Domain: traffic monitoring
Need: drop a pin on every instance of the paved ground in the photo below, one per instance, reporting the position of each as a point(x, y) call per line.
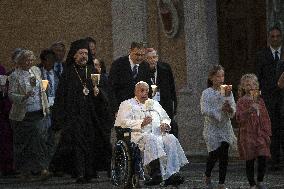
point(236, 179)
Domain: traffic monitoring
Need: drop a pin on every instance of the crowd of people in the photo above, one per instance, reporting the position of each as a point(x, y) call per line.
point(56, 117)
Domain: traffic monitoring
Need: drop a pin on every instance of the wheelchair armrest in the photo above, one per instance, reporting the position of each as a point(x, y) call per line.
point(123, 133)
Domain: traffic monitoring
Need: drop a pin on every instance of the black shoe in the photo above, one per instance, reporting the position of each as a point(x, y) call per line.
point(58, 174)
point(153, 181)
point(95, 175)
point(82, 180)
point(108, 173)
point(175, 179)
point(274, 168)
point(10, 174)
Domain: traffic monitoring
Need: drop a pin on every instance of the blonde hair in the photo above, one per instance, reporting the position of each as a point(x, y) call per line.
point(241, 87)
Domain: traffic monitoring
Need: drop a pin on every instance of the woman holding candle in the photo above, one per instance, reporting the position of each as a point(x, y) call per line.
point(255, 130)
point(218, 133)
point(29, 106)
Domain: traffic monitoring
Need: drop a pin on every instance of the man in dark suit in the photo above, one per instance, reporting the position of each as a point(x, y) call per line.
point(126, 71)
point(162, 77)
point(267, 60)
point(59, 49)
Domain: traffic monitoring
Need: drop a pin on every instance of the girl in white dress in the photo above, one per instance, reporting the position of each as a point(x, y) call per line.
point(217, 108)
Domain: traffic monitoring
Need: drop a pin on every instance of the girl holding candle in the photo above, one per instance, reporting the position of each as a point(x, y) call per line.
point(254, 130)
point(218, 133)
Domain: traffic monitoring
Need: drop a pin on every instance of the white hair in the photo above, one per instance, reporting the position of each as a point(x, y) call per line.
point(141, 83)
point(24, 53)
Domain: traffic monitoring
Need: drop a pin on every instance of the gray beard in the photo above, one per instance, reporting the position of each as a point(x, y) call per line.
point(82, 63)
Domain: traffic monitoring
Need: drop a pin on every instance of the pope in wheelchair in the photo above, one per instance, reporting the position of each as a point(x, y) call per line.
point(150, 125)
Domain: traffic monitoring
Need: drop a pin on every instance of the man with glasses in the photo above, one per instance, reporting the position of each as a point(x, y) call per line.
point(126, 71)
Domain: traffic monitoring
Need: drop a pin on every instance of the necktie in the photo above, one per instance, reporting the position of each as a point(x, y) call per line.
point(50, 87)
point(134, 71)
point(153, 79)
point(276, 57)
point(58, 69)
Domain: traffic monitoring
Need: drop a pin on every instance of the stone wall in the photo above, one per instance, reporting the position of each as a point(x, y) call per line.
point(171, 50)
point(36, 24)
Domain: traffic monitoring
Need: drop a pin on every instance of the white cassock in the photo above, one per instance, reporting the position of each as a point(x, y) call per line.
point(150, 140)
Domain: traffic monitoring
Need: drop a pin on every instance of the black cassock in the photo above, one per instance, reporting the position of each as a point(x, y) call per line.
point(85, 124)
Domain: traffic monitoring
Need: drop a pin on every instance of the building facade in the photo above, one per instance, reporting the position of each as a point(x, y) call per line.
point(191, 35)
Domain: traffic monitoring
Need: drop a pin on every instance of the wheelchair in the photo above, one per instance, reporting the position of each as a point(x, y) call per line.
point(126, 162)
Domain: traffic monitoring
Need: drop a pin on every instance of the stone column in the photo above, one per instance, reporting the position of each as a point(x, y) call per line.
point(275, 13)
point(129, 23)
point(201, 44)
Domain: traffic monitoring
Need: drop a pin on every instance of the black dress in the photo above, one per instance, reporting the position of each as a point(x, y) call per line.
point(81, 118)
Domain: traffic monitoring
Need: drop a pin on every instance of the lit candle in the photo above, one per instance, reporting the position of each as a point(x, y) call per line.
point(153, 87)
point(44, 84)
point(96, 79)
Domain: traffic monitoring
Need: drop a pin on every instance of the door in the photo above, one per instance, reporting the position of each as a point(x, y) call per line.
point(241, 31)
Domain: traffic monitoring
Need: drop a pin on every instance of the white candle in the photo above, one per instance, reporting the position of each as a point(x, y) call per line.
point(44, 84)
point(96, 78)
point(153, 87)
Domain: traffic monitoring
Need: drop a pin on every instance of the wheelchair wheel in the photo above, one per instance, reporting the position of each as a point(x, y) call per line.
point(135, 181)
point(121, 169)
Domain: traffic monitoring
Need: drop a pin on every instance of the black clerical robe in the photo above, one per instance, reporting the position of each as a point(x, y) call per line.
point(82, 120)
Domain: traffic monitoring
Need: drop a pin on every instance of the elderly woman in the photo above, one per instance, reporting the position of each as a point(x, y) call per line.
point(29, 106)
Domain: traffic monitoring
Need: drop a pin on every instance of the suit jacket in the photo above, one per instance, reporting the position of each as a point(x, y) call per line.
point(268, 79)
point(166, 85)
point(280, 70)
point(17, 90)
point(122, 82)
point(266, 70)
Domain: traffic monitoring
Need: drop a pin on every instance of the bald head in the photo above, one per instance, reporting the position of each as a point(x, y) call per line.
point(141, 91)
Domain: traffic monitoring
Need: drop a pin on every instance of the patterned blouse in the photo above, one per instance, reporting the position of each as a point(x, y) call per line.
point(217, 124)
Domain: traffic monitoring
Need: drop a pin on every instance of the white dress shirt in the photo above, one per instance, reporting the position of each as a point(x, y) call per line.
point(278, 50)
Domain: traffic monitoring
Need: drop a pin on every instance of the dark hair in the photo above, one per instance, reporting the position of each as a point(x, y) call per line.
point(103, 66)
point(275, 28)
point(213, 72)
point(89, 40)
point(46, 53)
point(138, 45)
point(58, 43)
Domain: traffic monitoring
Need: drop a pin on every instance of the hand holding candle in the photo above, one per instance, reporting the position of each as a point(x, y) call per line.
point(154, 89)
point(226, 90)
point(96, 79)
point(255, 93)
point(44, 84)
